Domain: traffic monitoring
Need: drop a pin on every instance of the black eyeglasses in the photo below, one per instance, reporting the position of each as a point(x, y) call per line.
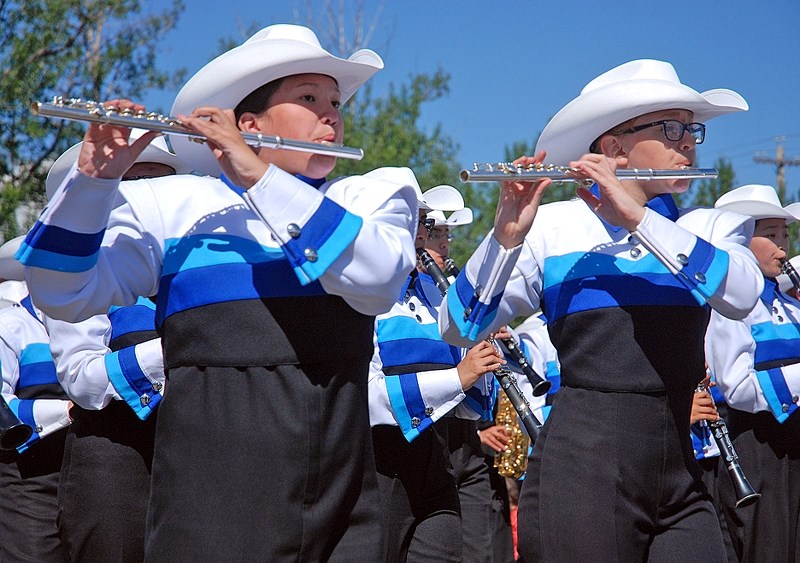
point(674, 129)
point(438, 235)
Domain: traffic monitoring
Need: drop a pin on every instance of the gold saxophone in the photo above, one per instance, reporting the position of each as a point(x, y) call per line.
point(513, 460)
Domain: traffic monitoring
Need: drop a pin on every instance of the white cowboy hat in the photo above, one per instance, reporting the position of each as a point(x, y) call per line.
point(757, 201)
point(12, 292)
point(456, 218)
point(10, 268)
point(622, 93)
point(156, 151)
point(274, 52)
point(784, 283)
point(443, 198)
point(404, 175)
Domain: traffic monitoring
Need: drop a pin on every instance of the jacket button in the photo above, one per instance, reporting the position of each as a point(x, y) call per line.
point(293, 230)
point(310, 254)
point(683, 259)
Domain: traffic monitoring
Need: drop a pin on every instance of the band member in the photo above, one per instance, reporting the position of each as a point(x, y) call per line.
point(625, 280)
point(418, 384)
point(112, 367)
point(473, 478)
point(268, 280)
point(756, 363)
point(29, 474)
point(438, 245)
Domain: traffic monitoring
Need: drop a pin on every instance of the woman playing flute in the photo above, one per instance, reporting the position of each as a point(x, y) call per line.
point(268, 279)
point(626, 281)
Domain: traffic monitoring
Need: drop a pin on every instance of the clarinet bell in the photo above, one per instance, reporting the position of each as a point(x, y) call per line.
point(745, 494)
point(13, 432)
point(541, 388)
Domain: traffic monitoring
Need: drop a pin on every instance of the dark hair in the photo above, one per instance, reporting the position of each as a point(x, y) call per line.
point(616, 130)
point(257, 100)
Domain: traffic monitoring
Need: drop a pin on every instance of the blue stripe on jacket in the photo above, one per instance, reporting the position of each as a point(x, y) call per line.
point(130, 382)
point(139, 317)
point(36, 366)
point(55, 248)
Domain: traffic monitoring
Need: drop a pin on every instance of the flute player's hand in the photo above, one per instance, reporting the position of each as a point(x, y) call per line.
point(517, 205)
point(240, 162)
point(106, 152)
point(615, 205)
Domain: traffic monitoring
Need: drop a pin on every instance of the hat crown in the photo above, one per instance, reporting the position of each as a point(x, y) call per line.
point(286, 32)
point(159, 143)
point(750, 193)
point(642, 69)
point(755, 200)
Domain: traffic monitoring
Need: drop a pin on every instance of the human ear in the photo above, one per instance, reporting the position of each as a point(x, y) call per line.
point(248, 122)
point(611, 146)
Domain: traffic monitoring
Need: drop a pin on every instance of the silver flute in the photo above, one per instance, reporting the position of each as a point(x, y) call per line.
point(507, 171)
point(75, 109)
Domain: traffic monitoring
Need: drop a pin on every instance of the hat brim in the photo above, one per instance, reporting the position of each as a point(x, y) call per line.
point(460, 217)
point(152, 153)
point(12, 292)
point(10, 267)
point(759, 210)
point(794, 210)
point(569, 134)
point(443, 198)
point(228, 79)
point(456, 218)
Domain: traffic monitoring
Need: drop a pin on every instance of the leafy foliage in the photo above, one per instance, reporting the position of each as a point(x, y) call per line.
point(93, 49)
point(387, 129)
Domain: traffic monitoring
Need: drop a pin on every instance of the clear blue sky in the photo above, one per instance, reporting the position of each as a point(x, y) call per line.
point(514, 64)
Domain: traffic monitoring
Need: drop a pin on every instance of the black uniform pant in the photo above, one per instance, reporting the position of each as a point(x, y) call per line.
point(419, 501)
point(769, 455)
point(265, 464)
point(613, 478)
point(500, 521)
point(474, 487)
point(105, 484)
point(28, 505)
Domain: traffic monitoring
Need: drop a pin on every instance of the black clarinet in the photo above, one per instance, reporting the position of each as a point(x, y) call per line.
point(745, 494)
point(13, 432)
point(540, 385)
point(792, 274)
point(434, 271)
point(450, 267)
point(503, 375)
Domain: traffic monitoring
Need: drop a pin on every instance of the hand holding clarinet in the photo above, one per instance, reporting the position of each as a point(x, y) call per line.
point(503, 375)
point(745, 494)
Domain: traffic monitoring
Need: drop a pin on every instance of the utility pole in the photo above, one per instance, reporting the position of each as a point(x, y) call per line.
point(780, 163)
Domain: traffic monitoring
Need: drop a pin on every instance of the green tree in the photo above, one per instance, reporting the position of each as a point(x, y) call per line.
point(482, 198)
point(92, 49)
point(388, 130)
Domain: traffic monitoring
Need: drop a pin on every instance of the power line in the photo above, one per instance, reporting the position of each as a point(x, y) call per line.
point(780, 162)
